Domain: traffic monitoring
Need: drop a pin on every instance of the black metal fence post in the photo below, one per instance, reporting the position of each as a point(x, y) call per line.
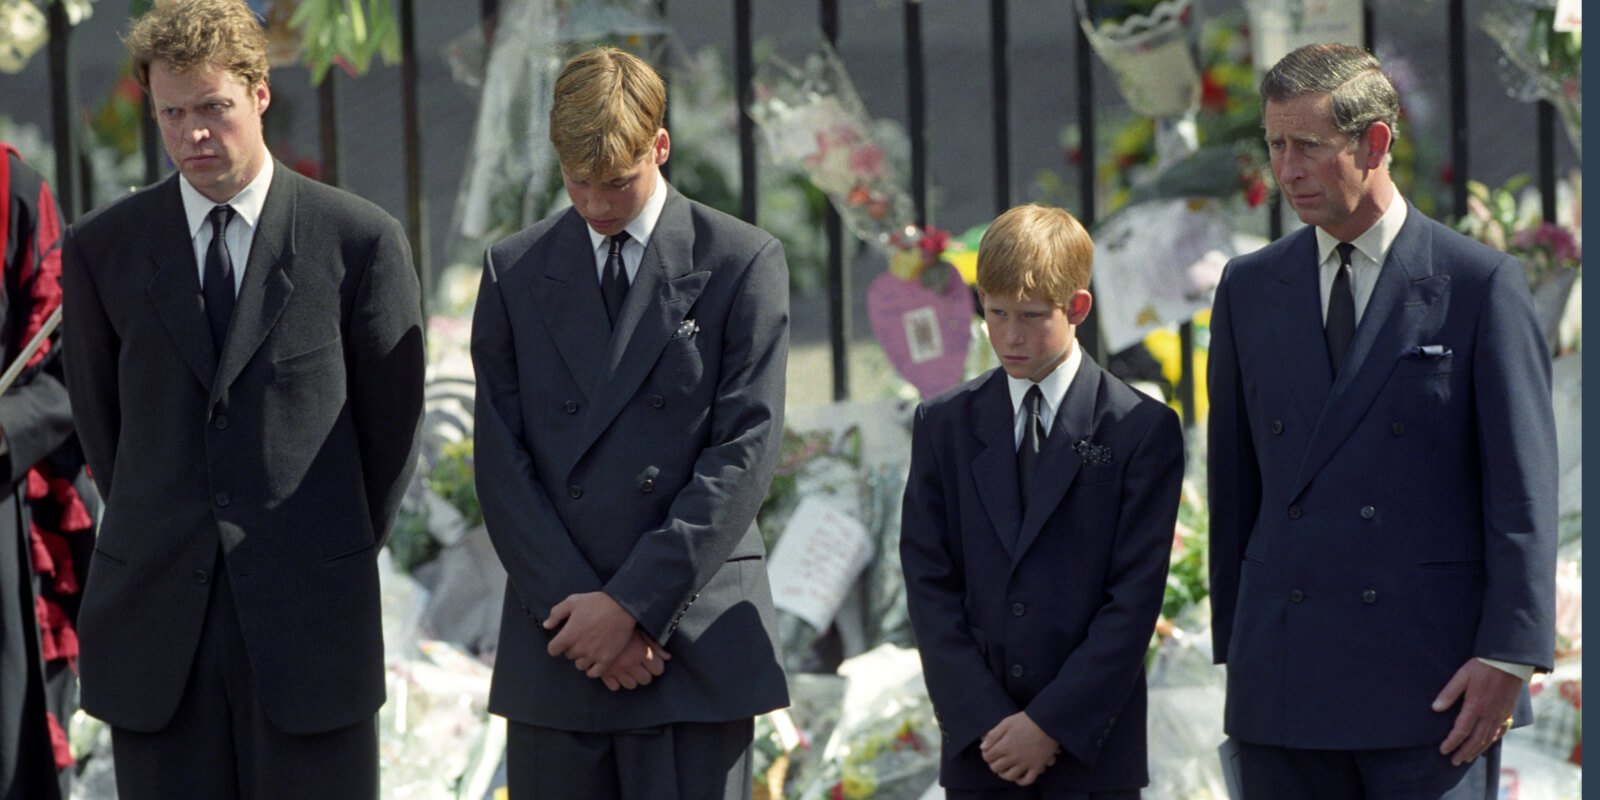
point(1001, 91)
point(411, 124)
point(68, 186)
point(839, 282)
point(916, 101)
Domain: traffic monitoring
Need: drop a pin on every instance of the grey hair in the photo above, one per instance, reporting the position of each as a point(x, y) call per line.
point(1361, 94)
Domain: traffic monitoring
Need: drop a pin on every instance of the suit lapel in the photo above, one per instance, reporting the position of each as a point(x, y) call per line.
point(1401, 299)
point(1296, 320)
point(994, 471)
point(174, 290)
point(1058, 462)
point(660, 297)
point(567, 293)
point(266, 287)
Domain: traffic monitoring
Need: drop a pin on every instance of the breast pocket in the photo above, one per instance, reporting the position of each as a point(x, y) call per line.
point(683, 366)
point(1421, 387)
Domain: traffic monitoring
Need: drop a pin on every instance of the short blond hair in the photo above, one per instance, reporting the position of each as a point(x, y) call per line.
point(195, 33)
point(1036, 250)
point(607, 109)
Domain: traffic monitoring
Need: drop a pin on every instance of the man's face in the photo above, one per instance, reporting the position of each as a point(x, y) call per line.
point(211, 124)
point(608, 203)
point(1324, 175)
point(1032, 336)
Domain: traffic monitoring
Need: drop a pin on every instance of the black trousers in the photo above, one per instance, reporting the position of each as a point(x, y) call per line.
point(220, 743)
point(1407, 773)
point(681, 761)
point(1036, 793)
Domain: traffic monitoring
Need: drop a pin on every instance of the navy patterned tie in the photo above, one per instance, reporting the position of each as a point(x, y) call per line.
point(1032, 439)
point(218, 289)
point(1341, 324)
point(614, 281)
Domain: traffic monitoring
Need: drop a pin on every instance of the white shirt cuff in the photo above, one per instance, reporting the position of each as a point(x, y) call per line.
point(1523, 671)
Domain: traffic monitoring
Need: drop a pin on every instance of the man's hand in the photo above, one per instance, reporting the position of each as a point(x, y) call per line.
point(1488, 697)
point(1018, 750)
point(594, 630)
point(641, 661)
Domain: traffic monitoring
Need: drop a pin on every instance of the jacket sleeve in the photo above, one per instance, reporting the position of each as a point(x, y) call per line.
point(730, 478)
point(542, 563)
point(1233, 475)
point(386, 363)
point(967, 698)
point(91, 350)
point(35, 414)
point(1078, 708)
point(1517, 441)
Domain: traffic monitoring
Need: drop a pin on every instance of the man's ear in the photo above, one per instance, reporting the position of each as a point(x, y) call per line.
point(662, 146)
point(1379, 138)
point(1078, 306)
point(263, 97)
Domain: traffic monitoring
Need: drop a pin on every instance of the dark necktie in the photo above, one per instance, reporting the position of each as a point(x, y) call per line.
point(1032, 439)
point(1341, 324)
point(614, 281)
point(218, 289)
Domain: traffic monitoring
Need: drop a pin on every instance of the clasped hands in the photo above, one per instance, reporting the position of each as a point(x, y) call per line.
point(604, 641)
point(1018, 750)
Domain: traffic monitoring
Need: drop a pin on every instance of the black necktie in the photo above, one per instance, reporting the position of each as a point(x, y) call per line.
point(614, 281)
point(1341, 324)
point(218, 289)
point(1032, 439)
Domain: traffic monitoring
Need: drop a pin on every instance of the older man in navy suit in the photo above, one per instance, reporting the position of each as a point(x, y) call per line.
point(1382, 467)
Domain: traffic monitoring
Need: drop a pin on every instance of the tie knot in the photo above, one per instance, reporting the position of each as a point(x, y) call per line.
point(1031, 400)
point(220, 217)
point(1345, 249)
point(618, 240)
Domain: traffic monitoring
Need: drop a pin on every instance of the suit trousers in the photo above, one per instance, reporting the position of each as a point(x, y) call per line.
point(1036, 793)
point(1406, 773)
point(220, 744)
point(680, 761)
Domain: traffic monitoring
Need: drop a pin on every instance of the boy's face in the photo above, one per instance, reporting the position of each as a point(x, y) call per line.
point(1032, 336)
point(608, 203)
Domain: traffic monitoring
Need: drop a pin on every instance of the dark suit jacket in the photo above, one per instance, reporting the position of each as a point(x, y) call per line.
point(1370, 534)
point(1057, 624)
point(290, 449)
point(634, 461)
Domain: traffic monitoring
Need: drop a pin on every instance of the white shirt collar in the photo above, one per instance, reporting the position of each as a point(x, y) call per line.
point(642, 226)
point(1053, 387)
point(1376, 241)
point(247, 204)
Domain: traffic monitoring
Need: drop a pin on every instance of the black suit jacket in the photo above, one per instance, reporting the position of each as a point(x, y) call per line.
point(1057, 623)
point(634, 461)
point(289, 449)
point(1371, 533)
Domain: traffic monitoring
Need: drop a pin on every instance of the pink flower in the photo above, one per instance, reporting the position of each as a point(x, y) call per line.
point(867, 160)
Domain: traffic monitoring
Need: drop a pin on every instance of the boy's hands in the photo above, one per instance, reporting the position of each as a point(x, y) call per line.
point(594, 631)
point(641, 661)
point(1019, 750)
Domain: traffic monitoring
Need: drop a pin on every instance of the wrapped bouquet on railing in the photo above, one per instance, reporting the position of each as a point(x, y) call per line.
point(812, 119)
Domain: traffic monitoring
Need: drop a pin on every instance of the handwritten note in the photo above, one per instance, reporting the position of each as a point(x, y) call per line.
point(814, 563)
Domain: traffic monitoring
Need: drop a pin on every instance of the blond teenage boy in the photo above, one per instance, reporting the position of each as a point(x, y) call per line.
point(1035, 536)
point(630, 356)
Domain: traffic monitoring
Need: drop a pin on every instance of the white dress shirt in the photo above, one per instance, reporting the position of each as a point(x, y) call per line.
point(1053, 388)
point(241, 230)
point(639, 232)
point(1371, 249)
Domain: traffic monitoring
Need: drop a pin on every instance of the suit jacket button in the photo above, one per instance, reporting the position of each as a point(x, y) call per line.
point(657, 401)
point(221, 422)
point(1399, 428)
point(1368, 512)
point(648, 486)
point(1296, 596)
point(1018, 609)
point(1016, 670)
point(571, 406)
point(200, 576)
point(1277, 427)
point(575, 492)
point(1294, 512)
point(223, 499)
point(1369, 596)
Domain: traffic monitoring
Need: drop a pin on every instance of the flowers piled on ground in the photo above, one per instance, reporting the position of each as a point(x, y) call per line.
point(1497, 218)
point(890, 757)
